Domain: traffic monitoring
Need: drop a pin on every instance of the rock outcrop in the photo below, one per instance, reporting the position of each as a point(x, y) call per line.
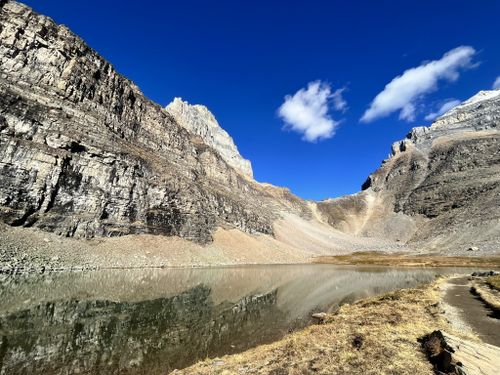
point(198, 120)
point(84, 153)
point(440, 189)
point(450, 354)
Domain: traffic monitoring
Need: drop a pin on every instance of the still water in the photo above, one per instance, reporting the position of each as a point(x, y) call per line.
point(153, 321)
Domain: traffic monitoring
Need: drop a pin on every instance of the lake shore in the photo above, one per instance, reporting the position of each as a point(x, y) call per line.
point(409, 260)
point(174, 317)
point(29, 250)
point(373, 336)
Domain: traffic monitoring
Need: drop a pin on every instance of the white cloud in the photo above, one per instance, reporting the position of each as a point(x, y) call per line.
point(339, 103)
point(496, 84)
point(452, 103)
point(307, 111)
point(405, 91)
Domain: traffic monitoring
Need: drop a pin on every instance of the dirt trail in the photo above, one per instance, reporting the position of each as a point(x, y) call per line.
point(472, 311)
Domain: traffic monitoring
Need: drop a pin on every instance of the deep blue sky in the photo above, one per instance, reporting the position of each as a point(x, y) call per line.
point(241, 58)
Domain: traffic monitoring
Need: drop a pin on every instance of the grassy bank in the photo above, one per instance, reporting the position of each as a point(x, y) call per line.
point(405, 260)
point(489, 292)
point(374, 336)
point(494, 282)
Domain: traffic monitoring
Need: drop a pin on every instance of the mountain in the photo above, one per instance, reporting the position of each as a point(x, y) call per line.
point(84, 154)
point(198, 120)
point(440, 189)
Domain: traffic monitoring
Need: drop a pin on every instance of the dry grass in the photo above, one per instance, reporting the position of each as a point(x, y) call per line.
point(405, 260)
point(494, 282)
point(489, 296)
point(374, 336)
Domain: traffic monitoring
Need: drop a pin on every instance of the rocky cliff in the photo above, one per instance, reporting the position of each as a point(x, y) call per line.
point(440, 188)
point(83, 153)
point(198, 120)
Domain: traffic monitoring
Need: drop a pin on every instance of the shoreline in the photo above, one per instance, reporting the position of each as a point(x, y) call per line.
point(410, 260)
point(480, 263)
point(24, 250)
point(405, 261)
point(375, 335)
point(358, 331)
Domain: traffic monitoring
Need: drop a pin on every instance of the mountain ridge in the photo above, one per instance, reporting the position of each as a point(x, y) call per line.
point(85, 154)
point(200, 121)
point(430, 190)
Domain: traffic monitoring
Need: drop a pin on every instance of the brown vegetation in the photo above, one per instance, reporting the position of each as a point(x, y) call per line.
point(489, 296)
point(374, 336)
point(405, 260)
point(494, 282)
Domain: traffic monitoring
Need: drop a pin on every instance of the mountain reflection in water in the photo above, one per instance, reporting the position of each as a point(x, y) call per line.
point(155, 320)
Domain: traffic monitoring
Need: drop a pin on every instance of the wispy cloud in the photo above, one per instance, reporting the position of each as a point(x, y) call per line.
point(404, 92)
point(339, 103)
point(496, 84)
point(445, 107)
point(307, 111)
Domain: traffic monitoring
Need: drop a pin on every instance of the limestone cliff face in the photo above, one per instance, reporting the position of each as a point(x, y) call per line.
point(198, 120)
point(84, 153)
point(441, 186)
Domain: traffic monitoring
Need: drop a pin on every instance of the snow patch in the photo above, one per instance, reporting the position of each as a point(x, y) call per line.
point(481, 96)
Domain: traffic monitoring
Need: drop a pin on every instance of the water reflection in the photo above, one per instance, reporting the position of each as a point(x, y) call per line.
point(152, 321)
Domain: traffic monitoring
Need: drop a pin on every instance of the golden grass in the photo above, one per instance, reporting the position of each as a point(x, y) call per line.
point(405, 260)
point(488, 296)
point(374, 336)
point(494, 282)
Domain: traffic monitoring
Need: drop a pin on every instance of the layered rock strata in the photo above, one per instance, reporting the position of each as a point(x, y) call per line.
point(84, 153)
point(198, 120)
point(440, 187)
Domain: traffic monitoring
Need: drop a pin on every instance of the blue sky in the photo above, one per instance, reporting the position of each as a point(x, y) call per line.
point(242, 58)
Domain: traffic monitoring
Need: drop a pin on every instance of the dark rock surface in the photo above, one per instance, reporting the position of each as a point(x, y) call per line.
point(440, 354)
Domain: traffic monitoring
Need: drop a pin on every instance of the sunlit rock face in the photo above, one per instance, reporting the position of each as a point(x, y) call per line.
point(442, 184)
point(198, 120)
point(84, 153)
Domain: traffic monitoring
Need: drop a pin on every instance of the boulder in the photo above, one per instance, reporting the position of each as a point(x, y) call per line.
point(320, 316)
